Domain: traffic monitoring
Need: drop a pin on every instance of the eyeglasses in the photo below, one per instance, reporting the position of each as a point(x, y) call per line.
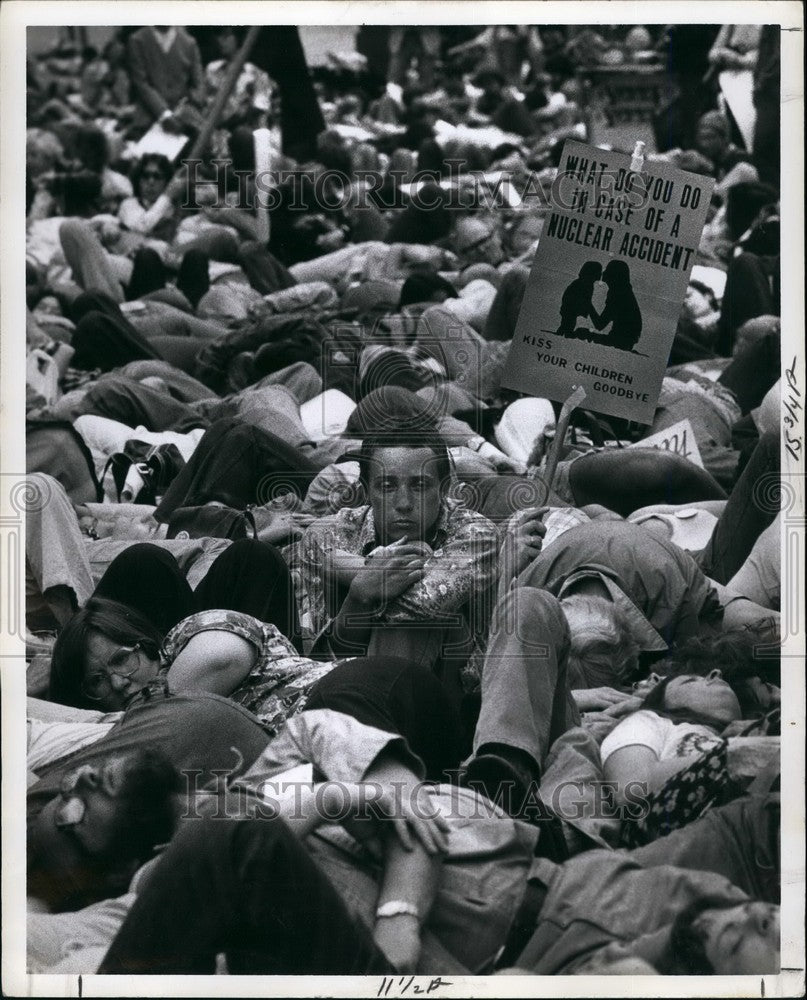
point(477, 245)
point(99, 684)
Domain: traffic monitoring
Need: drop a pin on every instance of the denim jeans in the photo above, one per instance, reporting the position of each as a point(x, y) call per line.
point(525, 694)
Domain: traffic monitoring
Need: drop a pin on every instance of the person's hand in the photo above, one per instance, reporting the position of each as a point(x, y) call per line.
point(629, 704)
point(523, 541)
point(407, 808)
point(399, 939)
point(420, 548)
point(598, 725)
point(280, 526)
point(333, 240)
point(414, 815)
point(507, 465)
point(598, 699)
point(108, 231)
point(387, 573)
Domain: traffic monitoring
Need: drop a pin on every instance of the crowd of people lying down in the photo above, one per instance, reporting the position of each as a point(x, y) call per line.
point(331, 668)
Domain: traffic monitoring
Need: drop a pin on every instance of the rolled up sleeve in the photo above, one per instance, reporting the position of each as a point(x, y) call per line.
point(339, 746)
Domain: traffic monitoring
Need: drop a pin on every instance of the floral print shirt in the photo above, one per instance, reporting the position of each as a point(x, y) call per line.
point(280, 680)
point(463, 563)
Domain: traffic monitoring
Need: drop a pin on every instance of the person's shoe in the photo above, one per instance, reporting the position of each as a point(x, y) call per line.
point(499, 780)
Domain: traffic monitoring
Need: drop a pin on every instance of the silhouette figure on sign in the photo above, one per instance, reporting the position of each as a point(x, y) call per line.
point(621, 310)
point(576, 301)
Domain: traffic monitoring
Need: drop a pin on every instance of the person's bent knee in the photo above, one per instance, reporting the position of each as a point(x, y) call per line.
point(533, 614)
point(147, 550)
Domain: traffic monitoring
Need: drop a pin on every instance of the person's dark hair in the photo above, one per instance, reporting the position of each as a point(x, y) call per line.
point(686, 951)
point(162, 163)
point(535, 98)
point(744, 202)
point(431, 157)
point(504, 149)
point(420, 438)
point(654, 702)
point(426, 219)
point(79, 193)
point(734, 653)
point(422, 284)
point(117, 622)
point(333, 154)
point(385, 409)
point(91, 148)
point(146, 818)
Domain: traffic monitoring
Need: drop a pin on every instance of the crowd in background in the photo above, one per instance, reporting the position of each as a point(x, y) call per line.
point(286, 516)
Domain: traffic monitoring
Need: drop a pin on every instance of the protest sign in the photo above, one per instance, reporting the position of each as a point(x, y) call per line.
point(679, 438)
point(159, 142)
point(608, 282)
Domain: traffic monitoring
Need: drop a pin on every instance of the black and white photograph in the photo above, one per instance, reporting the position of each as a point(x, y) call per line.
point(402, 499)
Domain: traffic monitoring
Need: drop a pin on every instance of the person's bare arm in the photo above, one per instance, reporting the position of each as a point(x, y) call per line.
point(410, 877)
point(639, 765)
point(213, 661)
point(236, 218)
point(739, 611)
point(715, 507)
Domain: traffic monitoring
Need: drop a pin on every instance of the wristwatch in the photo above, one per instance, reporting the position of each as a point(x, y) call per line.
point(397, 908)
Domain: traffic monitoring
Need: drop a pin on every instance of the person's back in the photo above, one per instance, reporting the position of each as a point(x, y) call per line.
point(602, 897)
point(661, 580)
point(202, 735)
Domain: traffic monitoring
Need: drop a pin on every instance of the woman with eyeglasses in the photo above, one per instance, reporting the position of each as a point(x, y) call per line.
point(109, 654)
point(152, 211)
point(237, 634)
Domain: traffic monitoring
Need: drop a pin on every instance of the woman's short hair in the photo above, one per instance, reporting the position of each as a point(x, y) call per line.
point(115, 621)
